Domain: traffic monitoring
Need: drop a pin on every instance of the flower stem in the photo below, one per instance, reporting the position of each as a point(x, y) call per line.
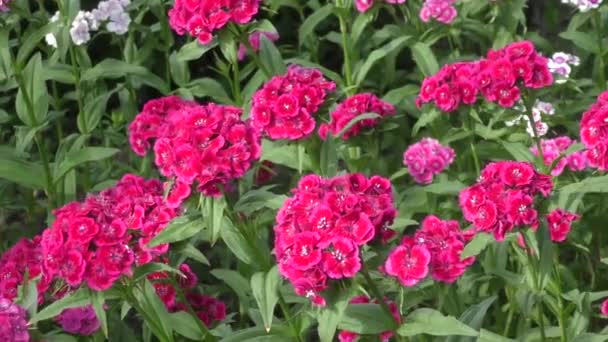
point(350, 87)
point(529, 103)
point(250, 50)
point(597, 25)
point(376, 292)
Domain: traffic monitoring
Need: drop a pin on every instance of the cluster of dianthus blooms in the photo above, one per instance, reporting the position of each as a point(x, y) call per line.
point(441, 10)
point(349, 336)
point(13, 322)
point(437, 247)
point(364, 5)
point(200, 18)
point(498, 77)
point(594, 133)
point(111, 12)
point(81, 321)
point(284, 107)
point(319, 230)
point(350, 109)
point(584, 5)
point(427, 158)
point(554, 148)
point(539, 109)
point(560, 222)
point(208, 309)
point(21, 261)
point(209, 144)
point(561, 64)
point(503, 197)
point(255, 41)
point(4, 5)
point(100, 239)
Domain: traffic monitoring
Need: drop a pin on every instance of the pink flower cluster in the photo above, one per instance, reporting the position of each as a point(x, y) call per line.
point(13, 322)
point(498, 77)
point(554, 148)
point(4, 5)
point(24, 257)
point(254, 40)
point(200, 18)
point(594, 133)
point(208, 309)
point(349, 336)
point(364, 5)
point(209, 144)
point(436, 247)
point(81, 321)
point(284, 106)
point(350, 109)
point(503, 198)
point(320, 229)
point(100, 239)
point(441, 10)
point(427, 158)
point(560, 222)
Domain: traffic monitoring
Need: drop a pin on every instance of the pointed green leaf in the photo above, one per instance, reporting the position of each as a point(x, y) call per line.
point(264, 287)
point(432, 322)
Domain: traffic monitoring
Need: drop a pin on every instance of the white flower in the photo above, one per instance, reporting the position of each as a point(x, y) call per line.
point(119, 24)
point(80, 30)
point(50, 38)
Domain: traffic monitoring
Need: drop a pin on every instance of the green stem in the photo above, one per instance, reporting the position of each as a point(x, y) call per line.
point(529, 103)
point(243, 39)
point(561, 318)
point(597, 23)
point(350, 87)
point(288, 316)
point(541, 320)
point(182, 297)
point(376, 291)
point(236, 84)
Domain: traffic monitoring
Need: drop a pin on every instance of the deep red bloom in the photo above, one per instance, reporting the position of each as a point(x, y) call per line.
point(408, 262)
point(340, 258)
point(559, 222)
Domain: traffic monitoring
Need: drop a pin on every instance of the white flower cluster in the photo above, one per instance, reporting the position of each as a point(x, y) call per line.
point(560, 65)
point(50, 38)
point(111, 12)
point(583, 5)
point(538, 110)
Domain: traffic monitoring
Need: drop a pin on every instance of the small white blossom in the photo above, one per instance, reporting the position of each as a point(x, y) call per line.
point(584, 5)
point(560, 65)
point(50, 38)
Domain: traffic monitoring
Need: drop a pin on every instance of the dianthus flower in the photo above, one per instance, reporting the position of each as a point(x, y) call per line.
point(554, 148)
point(208, 144)
point(441, 10)
point(539, 109)
point(284, 107)
point(320, 229)
point(13, 322)
point(208, 309)
point(560, 222)
point(584, 5)
point(594, 133)
point(499, 78)
point(255, 41)
point(201, 18)
point(503, 198)
point(350, 109)
point(100, 239)
point(604, 308)
point(24, 257)
point(560, 65)
point(408, 262)
point(112, 13)
point(349, 336)
point(4, 5)
point(364, 5)
point(80, 321)
point(427, 158)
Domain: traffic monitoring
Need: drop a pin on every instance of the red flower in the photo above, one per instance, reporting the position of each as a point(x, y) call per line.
point(340, 258)
point(409, 263)
point(560, 222)
point(305, 252)
point(82, 230)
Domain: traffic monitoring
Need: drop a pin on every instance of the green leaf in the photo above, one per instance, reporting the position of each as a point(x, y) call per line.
point(93, 111)
point(236, 242)
point(488, 336)
point(432, 322)
point(34, 92)
point(329, 157)
point(22, 172)
point(153, 309)
point(355, 120)
point(588, 337)
point(395, 96)
point(179, 70)
point(377, 55)
point(71, 300)
point(60, 338)
point(142, 271)
point(236, 282)
point(270, 55)
point(329, 318)
point(27, 45)
point(264, 287)
point(213, 211)
point(445, 187)
point(189, 251)
point(259, 334)
point(425, 59)
point(257, 199)
point(588, 185)
point(194, 50)
point(87, 154)
point(283, 154)
point(426, 118)
point(583, 40)
point(97, 299)
point(179, 229)
point(308, 26)
point(368, 319)
point(28, 296)
point(185, 324)
point(477, 245)
point(474, 317)
point(208, 87)
point(518, 150)
point(111, 68)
